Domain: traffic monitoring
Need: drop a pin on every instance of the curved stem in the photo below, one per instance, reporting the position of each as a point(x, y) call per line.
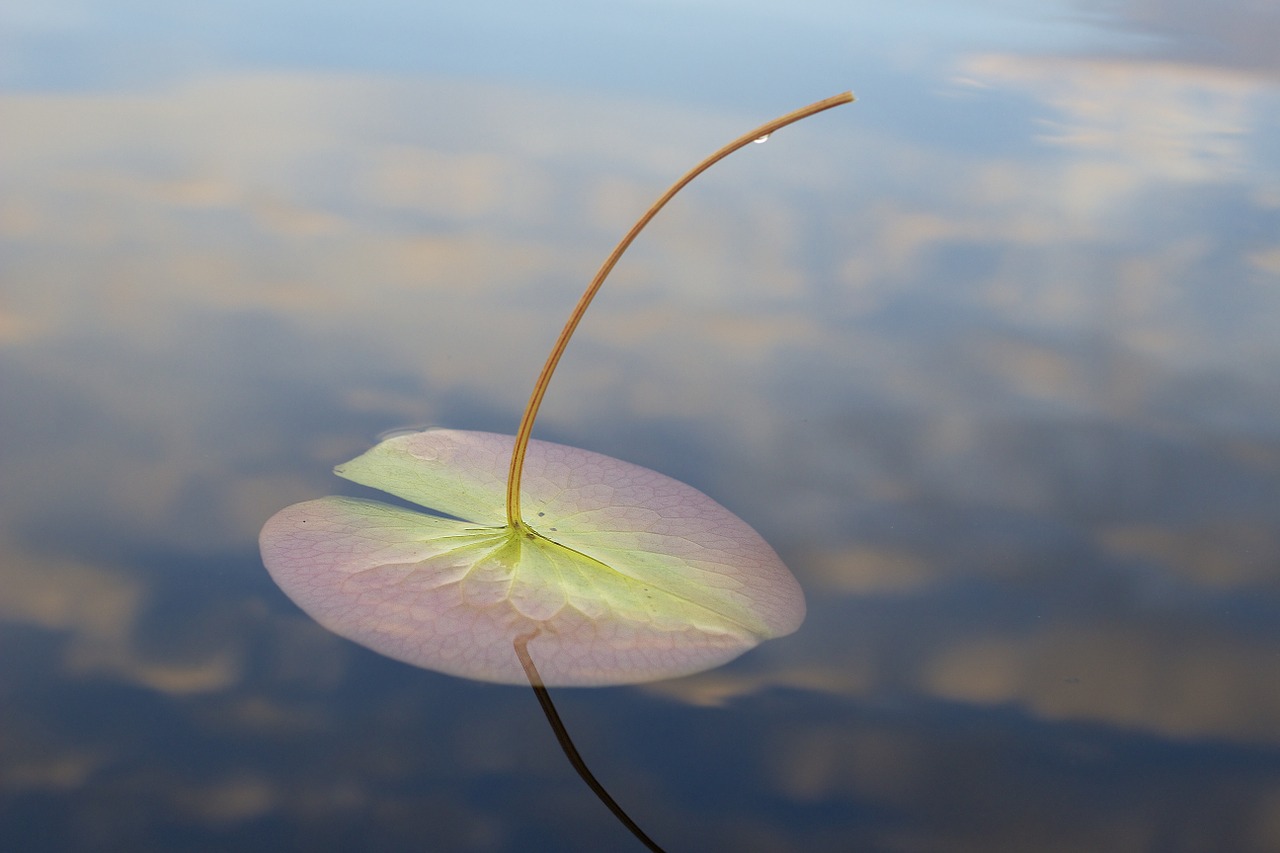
point(566, 743)
point(540, 387)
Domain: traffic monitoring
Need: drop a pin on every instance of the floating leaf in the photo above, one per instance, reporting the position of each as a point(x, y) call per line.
point(629, 575)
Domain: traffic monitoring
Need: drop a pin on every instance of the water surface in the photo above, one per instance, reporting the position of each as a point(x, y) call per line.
point(989, 357)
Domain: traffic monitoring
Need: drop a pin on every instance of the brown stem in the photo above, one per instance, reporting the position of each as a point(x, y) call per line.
point(566, 743)
point(540, 387)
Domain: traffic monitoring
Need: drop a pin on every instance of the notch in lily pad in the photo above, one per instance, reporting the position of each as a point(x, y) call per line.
point(537, 562)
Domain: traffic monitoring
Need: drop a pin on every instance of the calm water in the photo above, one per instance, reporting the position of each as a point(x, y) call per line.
point(990, 357)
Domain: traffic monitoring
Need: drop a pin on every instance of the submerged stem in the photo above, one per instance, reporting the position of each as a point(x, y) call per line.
point(566, 743)
point(540, 387)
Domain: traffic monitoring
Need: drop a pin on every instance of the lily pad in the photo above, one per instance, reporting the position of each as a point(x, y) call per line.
point(621, 574)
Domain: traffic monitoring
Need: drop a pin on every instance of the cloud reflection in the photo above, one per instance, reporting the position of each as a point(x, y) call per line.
point(1163, 121)
point(1011, 416)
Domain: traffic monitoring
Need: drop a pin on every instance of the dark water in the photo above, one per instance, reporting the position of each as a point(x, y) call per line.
point(990, 357)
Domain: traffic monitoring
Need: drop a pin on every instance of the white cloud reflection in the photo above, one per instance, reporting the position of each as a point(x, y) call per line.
point(1161, 121)
point(922, 372)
